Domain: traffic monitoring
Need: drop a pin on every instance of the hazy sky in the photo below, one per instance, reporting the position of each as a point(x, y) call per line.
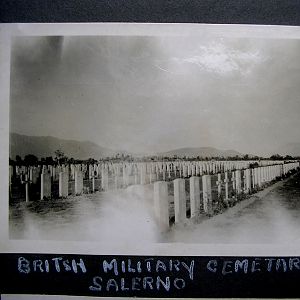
point(145, 94)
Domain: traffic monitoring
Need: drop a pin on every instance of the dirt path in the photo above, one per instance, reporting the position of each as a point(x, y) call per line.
point(271, 216)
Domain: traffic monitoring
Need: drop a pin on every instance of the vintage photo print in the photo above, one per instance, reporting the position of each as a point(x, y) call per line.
point(150, 138)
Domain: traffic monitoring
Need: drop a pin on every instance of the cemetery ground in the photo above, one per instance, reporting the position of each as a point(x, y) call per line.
point(270, 216)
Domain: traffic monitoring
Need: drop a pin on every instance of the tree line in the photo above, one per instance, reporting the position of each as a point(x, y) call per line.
point(60, 158)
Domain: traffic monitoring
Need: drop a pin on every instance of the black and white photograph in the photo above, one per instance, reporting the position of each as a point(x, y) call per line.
point(179, 137)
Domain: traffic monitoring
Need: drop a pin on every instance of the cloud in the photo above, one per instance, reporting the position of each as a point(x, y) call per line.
point(220, 59)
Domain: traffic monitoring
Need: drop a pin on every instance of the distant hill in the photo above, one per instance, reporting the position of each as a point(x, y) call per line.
point(201, 151)
point(292, 149)
point(43, 146)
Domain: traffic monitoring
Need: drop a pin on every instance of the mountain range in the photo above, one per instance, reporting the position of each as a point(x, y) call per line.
point(45, 146)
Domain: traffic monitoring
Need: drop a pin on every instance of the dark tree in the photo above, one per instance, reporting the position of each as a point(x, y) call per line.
point(30, 160)
point(71, 160)
point(49, 160)
point(19, 160)
point(91, 161)
point(60, 157)
point(276, 157)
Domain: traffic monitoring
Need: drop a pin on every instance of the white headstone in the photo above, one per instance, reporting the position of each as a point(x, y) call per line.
point(63, 184)
point(78, 182)
point(226, 181)
point(195, 196)
point(104, 179)
point(45, 185)
point(259, 176)
point(143, 173)
point(179, 200)
point(247, 175)
point(207, 195)
point(238, 182)
point(161, 204)
point(219, 184)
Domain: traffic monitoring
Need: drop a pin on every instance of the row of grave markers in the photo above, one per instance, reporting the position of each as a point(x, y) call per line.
point(118, 175)
point(181, 168)
point(243, 182)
